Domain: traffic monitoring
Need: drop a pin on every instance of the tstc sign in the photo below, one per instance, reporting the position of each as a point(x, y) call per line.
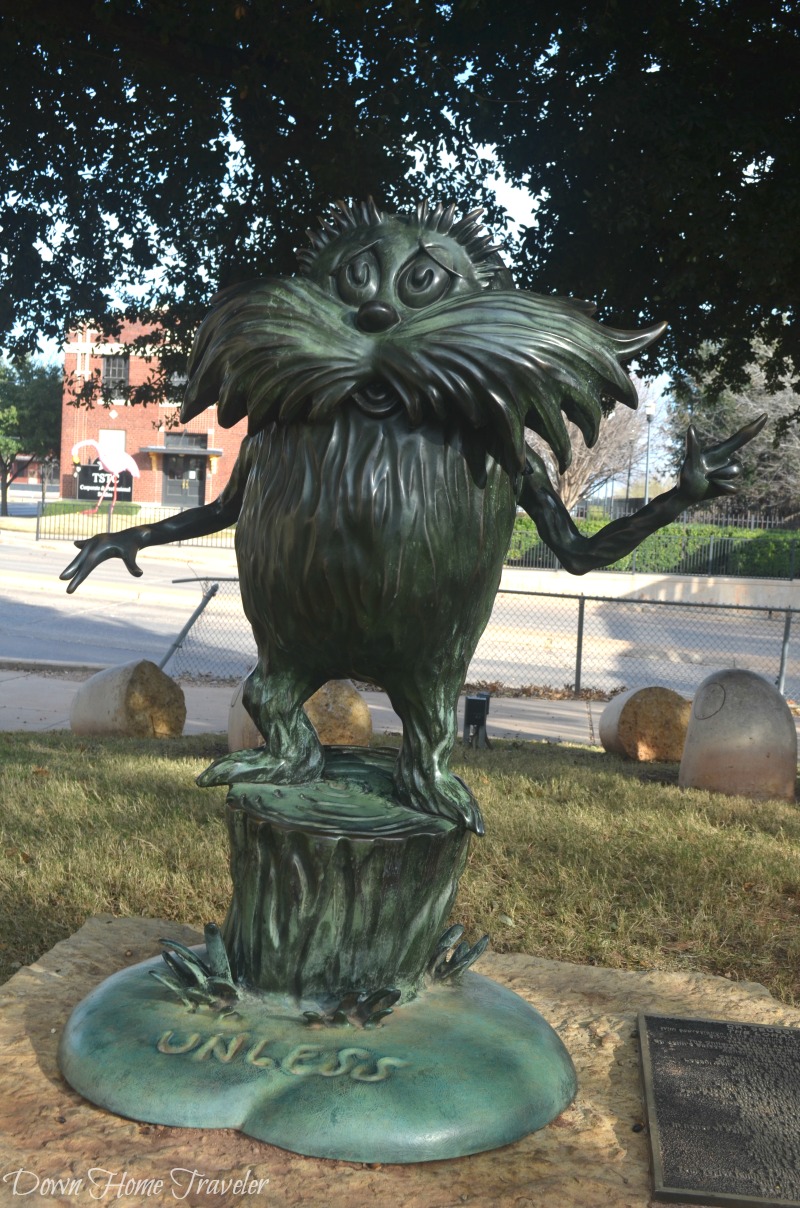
point(94, 481)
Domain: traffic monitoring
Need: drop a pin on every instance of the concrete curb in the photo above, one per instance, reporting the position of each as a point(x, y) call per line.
point(43, 666)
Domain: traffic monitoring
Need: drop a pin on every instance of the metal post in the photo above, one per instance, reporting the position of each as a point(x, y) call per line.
point(180, 639)
point(39, 508)
point(649, 412)
point(476, 710)
point(787, 629)
point(579, 649)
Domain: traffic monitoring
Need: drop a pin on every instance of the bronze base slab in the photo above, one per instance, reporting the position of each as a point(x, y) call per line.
point(458, 1070)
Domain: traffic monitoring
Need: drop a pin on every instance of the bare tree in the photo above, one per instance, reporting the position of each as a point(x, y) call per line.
point(617, 453)
point(770, 478)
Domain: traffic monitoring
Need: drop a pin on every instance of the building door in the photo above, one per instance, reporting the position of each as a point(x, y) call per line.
point(184, 484)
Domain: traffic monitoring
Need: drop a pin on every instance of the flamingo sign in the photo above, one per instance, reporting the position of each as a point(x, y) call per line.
point(115, 473)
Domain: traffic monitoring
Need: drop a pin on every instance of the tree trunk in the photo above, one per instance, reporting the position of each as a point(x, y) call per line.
point(337, 888)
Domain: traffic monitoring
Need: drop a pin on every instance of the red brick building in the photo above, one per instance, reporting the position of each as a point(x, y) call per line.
point(178, 466)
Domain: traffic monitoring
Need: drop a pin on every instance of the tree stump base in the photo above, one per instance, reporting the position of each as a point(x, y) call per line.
point(337, 887)
point(331, 1017)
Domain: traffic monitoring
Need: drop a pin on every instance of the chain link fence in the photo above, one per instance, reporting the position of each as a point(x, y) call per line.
point(596, 644)
point(540, 643)
point(220, 644)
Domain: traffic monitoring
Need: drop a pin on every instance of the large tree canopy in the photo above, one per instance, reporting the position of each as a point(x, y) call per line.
point(165, 148)
point(666, 141)
point(30, 419)
point(172, 147)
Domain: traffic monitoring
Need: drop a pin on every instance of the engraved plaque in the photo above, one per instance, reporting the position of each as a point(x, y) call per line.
point(723, 1108)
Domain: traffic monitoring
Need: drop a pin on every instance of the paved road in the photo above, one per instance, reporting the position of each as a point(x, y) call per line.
point(23, 509)
point(114, 618)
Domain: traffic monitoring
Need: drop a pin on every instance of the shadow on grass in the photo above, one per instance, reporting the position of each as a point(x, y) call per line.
point(588, 858)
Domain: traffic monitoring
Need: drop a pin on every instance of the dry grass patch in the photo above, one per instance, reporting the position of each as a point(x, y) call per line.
point(594, 860)
point(586, 859)
point(114, 825)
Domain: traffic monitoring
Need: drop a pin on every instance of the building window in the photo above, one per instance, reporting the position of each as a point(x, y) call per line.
point(115, 375)
point(112, 439)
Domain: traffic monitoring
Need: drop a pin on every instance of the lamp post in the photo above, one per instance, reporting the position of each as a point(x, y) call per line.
point(628, 482)
point(649, 412)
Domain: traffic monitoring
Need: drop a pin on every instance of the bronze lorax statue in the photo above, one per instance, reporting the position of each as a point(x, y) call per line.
point(387, 390)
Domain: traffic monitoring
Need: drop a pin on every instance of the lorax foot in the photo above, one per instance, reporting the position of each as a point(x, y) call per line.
point(446, 796)
point(257, 766)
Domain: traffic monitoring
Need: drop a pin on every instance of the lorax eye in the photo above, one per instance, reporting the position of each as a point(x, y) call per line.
point(358, 279)
point(422, 281)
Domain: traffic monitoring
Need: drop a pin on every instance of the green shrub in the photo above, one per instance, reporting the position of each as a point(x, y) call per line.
point(681, 548)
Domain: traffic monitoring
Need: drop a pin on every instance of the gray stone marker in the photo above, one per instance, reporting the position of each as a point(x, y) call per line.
point(723, 1107)
point(741, 739)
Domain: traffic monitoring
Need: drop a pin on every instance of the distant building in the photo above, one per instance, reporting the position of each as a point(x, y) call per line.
point(27, 471)
point(182, 466)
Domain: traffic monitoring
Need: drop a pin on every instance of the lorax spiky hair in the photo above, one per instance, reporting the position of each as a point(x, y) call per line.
point(415, 312)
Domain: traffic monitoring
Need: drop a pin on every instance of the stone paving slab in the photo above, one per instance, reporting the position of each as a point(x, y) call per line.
point(595, 1154)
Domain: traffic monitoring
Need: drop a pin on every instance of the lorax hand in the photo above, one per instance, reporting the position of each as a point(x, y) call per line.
point(97, 549)
point(708, 473)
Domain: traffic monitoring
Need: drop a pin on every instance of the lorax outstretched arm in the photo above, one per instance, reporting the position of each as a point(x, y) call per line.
point(705, 474)
point(195, 522)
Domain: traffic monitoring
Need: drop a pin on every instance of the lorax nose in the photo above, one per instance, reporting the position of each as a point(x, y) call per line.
point(376, 316)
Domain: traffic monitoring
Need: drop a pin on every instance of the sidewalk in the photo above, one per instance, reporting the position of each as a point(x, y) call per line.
point(38, 697)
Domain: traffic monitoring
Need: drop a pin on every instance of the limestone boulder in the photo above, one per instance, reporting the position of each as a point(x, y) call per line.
point(136, 700)
point(242, 731)
point(741, 739)
point(338, 713)
point(646, 724)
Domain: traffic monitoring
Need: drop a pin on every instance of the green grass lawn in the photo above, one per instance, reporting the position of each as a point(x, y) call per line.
point(586, 859)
